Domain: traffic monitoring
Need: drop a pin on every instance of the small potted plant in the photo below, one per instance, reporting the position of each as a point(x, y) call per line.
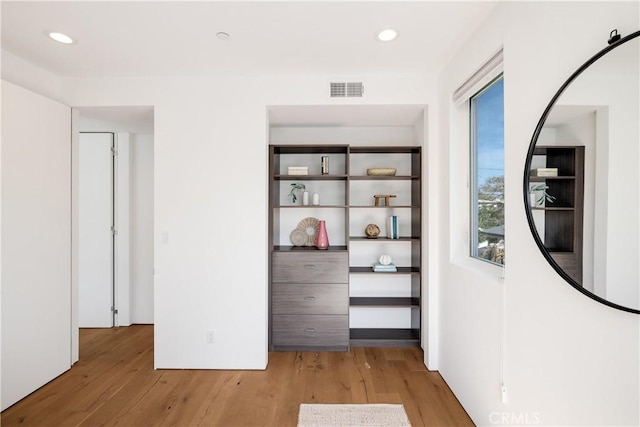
point(294, 187)
point(538, 195)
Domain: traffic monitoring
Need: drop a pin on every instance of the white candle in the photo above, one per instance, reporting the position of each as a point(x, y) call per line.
point(316, 199)
point(305, 198)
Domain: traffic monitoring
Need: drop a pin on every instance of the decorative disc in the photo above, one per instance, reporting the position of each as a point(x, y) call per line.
point(298, 238)
point(309, 226)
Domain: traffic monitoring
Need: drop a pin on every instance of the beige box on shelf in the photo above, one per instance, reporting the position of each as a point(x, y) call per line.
point(541, 172)
point(298, 170)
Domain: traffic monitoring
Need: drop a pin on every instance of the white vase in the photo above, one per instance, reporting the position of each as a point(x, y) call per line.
point(384, 259)
point(539, 199)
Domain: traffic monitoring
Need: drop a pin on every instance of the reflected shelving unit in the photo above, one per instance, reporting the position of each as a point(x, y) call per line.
point(560, 223)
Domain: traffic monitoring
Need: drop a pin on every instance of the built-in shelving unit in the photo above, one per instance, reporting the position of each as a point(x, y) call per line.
point(313, 290)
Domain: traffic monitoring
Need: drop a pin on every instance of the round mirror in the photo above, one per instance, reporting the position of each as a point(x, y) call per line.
point(582, 180)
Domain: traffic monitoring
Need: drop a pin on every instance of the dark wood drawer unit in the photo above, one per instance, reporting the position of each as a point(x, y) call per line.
point(310, 300)
point(310, 267)
point(311, 331)
point(325, 298)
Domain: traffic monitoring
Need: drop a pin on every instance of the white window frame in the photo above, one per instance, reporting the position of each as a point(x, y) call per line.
point(473, 172)
point(482, 77)
point(479, 79)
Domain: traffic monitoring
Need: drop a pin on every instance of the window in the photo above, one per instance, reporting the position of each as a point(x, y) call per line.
point(487, 172)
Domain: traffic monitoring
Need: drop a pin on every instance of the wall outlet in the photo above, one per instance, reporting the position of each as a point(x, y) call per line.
point(211, 336)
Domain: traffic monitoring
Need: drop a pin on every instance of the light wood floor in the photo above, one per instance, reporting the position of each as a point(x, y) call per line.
point(114, 383)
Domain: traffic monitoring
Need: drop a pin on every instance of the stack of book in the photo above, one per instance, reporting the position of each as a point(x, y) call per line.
point(381, 268)
point(393, 231)
point(544, 172)
point(298, 170)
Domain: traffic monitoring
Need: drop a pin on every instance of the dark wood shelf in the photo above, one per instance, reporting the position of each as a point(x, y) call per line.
point(335, 177)
point(290, 248)
point(381, 337)
point(560, 250)
point(369, 270)
point(554, 208)
point(310, 207)
point(385, 207)
point(310, 149)
point(384, 302)
point(341, 207)
point(383, 178)
point(549, 178)
point(384, 150)
point(383, 239)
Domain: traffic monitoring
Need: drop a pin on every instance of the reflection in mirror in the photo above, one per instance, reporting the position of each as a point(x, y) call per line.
point(584, 181)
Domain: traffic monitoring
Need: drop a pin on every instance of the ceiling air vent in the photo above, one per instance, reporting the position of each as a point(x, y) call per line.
point(346, 89)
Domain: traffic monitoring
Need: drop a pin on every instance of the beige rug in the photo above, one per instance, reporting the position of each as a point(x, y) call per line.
point(321, 415)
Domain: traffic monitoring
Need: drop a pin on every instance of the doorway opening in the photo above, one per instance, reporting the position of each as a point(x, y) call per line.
point(112, 220)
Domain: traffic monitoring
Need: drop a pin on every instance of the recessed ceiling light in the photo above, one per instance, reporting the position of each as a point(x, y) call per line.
point(60, 37)
point(223, 36)
point(387, 35)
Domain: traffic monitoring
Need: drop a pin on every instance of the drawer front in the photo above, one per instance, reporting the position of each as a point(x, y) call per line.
point(311, 330)
point(310, 298)
point(310, 267)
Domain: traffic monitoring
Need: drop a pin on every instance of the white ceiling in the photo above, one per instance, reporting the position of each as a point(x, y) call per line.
point(143, 38)
point(149, 38)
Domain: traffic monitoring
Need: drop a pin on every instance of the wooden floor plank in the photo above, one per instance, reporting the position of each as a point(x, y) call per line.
point(114, 384)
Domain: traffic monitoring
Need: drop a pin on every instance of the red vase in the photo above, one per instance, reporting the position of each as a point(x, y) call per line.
point(322, 241)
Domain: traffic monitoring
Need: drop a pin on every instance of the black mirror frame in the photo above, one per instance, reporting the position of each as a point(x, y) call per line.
point(527, 167)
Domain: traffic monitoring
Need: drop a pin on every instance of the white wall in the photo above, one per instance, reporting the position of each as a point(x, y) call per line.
point(25, 74)
point(564, 359)
point(210, 201)
point(122, 190)
point(141, 228)
point(36, 241)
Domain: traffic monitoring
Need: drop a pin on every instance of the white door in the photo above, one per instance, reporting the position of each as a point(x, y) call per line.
point(36, 243)
point(95, 238)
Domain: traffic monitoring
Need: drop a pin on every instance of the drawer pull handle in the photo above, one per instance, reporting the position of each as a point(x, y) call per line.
point(310, 266)
point(309, 329)
point(310, 298)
